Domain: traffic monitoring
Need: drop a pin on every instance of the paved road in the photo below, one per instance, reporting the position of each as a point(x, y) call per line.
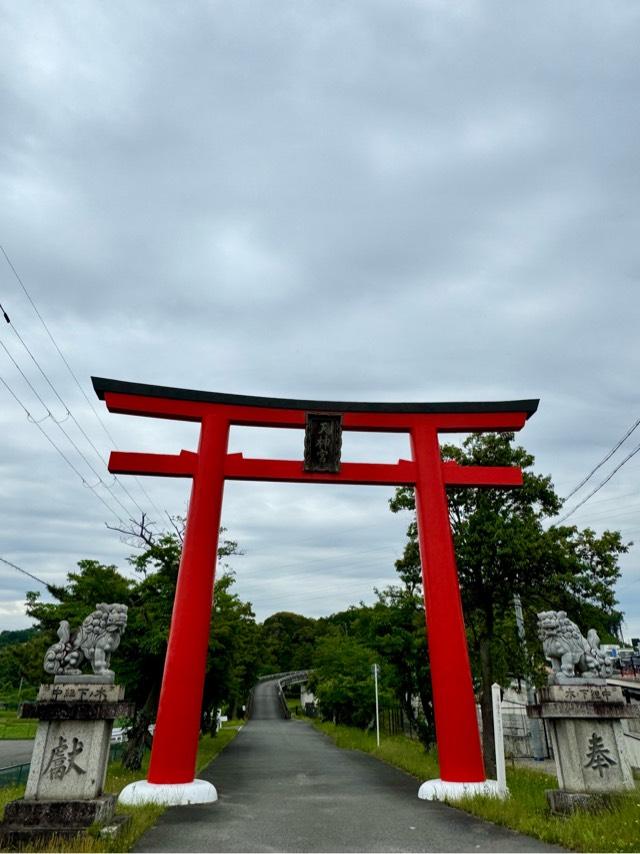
point(266, 706)
point(283, 786)
point(15, 752)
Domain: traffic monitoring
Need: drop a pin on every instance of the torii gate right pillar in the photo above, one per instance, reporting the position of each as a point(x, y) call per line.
point(459, 749)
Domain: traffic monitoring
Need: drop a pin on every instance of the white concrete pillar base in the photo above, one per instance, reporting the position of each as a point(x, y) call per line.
point(168, 794)
point(444, 790)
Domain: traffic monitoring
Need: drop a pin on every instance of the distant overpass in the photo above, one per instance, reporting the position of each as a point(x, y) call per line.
point(267, 700)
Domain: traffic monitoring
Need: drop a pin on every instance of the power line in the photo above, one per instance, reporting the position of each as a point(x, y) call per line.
point(616, 515)
point(343, 551)
point(77, 382)
point(604, 459)
point(58, 424)
point(52, 339)
point(69, 414)
point(615, 498)
point(24, 572)
point(60, 451)
point(29, 383)
point(600, 485)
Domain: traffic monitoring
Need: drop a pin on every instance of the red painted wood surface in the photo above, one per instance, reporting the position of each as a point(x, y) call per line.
point(175, 739)
point(239, 467)
point(384, 422)
point(454, 705)
point(177, 727)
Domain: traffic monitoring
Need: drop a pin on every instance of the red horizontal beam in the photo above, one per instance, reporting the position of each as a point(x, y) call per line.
point(183, 464)
point(391, 422)
point(237, 467)
point(156, 407)
point(457, 475)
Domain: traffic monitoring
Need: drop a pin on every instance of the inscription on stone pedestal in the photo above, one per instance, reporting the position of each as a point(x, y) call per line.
point(598, 755)
point(62, 760)
point(583, 693)
point(69, 759)
point(81, 692)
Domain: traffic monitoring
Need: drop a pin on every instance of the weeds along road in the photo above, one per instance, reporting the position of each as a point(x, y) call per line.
point(283, 786)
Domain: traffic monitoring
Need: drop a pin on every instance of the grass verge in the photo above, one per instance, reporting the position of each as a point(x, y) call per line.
point(397, 750)
point(525, 810)
point(293, 705)
point(142, 818)
point(13, 727)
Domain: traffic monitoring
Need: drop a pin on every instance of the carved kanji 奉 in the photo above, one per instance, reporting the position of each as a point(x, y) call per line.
point(176, 734)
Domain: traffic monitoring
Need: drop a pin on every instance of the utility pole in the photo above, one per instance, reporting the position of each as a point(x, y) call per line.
point(535, 725)
point(498, 737)
point(375, 669)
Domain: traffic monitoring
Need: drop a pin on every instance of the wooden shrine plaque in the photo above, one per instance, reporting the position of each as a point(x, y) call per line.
point(322, 442)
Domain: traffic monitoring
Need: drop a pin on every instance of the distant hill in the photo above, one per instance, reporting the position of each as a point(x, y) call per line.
point(17, 636)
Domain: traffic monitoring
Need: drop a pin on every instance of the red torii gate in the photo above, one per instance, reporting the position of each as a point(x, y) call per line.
point(173, 757)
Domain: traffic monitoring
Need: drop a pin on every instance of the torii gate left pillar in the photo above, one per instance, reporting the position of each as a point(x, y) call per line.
point(171, 778)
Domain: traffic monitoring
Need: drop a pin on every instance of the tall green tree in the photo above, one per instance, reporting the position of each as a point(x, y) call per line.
point(342, 680)
point(21, 667)
point(287, 641)
point(505, 546)
point(397, 633)
point(139, 661)
point(234, 655)
point(392, 631)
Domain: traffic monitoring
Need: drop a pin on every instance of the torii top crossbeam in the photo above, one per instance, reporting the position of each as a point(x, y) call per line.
point(191, 405)
point(175, 739)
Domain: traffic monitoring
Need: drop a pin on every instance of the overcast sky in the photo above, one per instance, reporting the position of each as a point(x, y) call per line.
point(373, 200)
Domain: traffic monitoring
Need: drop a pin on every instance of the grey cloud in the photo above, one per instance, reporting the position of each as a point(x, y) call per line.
point(386, 201)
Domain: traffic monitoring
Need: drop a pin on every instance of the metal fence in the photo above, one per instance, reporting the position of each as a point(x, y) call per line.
point(515, 725)
point(518, 742)
point(14, 775)
point(627, 667)
point(394, 721)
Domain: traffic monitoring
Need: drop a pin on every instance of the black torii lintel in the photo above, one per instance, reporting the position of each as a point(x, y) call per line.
point(103, 385)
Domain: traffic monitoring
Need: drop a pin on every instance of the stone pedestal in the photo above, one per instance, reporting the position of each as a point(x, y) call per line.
point(588, 743)
point(64, 792)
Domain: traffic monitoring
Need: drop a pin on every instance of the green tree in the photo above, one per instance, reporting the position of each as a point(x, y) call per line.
point(393, 632)
point(234, 653)
point(139, 660)
point(21, 667)
point(503, 548)
point(398, 635)
point(8, 638)
point(287, 641)
point(342, 680)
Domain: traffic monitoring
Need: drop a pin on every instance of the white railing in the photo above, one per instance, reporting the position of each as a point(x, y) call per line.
point(290, 677)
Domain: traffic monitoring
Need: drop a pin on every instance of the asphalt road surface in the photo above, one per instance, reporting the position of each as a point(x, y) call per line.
point(15, 752)
point(283, 786)
point(266, 706)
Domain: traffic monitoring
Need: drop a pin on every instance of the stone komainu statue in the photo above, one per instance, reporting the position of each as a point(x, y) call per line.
point(572, 656)
point(98, 636)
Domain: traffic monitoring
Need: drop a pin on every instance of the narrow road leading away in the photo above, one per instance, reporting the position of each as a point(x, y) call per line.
point(283, 786)
point(266, 706)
